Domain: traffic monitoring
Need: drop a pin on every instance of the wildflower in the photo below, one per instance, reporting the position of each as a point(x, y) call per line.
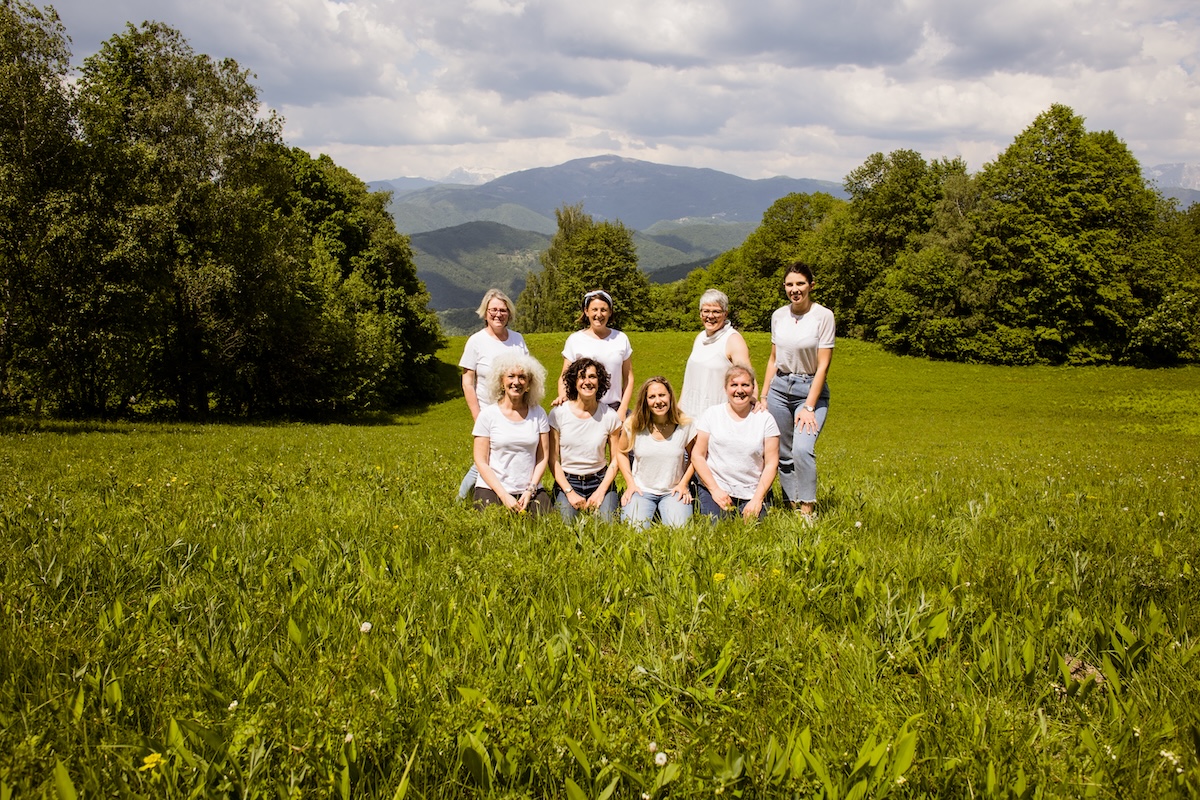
point(660, 759)
point(349, 737)
point(364, 628)
point(901, 780)
point(233, 706)
point(652, 747)
point(645, 796)
point(858, 524)
point(718, 577)
point(1169, 756)
point(150, 762)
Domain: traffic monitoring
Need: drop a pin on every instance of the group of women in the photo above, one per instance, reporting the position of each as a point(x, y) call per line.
point(720, 447)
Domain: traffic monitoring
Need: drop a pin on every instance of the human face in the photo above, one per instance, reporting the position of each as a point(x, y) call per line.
point(740, 390)
point(659, 401)
point(797, 287)
point(586, 383)
point(497, 314)
point(516, 384)
point(713, 317)
point(598, 314)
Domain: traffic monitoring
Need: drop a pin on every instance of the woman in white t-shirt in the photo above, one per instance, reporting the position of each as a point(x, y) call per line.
point(654, 457)
point(584, 434)
point(482, 348)
point(603, 344)
point(795, 387)
point(736, 452)
point(512, 437)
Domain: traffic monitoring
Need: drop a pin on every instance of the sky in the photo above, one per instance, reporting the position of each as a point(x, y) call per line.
point(756, 88)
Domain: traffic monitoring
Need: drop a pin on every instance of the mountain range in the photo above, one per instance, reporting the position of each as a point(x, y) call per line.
point(470, 236)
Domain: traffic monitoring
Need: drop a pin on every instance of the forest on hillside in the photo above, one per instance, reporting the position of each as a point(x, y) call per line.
point(1058, 252)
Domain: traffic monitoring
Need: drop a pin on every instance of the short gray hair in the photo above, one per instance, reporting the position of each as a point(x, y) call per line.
point(714, 296)
point(518, 362)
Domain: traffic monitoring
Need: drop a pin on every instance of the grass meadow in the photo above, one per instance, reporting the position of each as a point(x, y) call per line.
point(999, 599)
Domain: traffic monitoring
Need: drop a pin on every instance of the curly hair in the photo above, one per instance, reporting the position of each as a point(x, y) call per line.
point(528, 366)
point(579, 367)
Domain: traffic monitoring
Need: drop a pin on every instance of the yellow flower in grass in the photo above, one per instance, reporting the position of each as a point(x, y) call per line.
point(150, 762)
point(718, 577)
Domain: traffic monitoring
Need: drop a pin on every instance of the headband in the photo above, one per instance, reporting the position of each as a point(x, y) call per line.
point(603, 295)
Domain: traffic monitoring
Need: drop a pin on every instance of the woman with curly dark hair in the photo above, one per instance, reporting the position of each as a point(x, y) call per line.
point(584, 435)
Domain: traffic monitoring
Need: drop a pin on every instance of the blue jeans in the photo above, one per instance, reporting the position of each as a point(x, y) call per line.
point(797, 451)
point(672, 511)
point(586, 485)
point(709, 506)
point(468, 483)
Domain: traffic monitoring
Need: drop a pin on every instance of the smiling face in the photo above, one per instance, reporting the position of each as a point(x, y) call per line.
point(739, 388)
point(713, 317)
point(598, 314)
point(497, 315)
point(516, 384)
point(586, 383)
point(658, 399)
point(796, 286)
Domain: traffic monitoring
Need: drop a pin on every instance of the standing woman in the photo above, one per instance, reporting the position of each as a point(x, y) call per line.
point(736, 452)
point(482, 348)
point(795, 388)
point(512, 437)
point(603, 344)
point(654, 456)
point(714, 350)
point(584, 434)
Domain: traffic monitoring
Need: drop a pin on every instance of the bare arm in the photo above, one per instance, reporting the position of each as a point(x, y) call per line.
point(768, 376)
point(610, 474)
point(483, 449)
point(626, 387)
point(560, 477)
point(700, 462)
point(562, 385)
point(468, 387)
point(770, 467)
point(626, 467)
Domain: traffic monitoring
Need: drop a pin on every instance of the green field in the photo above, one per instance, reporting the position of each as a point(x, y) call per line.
point(999, 598)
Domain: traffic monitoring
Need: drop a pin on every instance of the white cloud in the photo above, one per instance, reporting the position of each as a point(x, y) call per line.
point(807, 88)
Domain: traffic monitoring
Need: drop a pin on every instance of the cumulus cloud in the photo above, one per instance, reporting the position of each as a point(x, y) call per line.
point(807, 88)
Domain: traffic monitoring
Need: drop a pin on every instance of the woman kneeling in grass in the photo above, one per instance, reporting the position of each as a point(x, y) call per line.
point(656, 442)
point(736, 452)
point(583, 438)
point(512, 437)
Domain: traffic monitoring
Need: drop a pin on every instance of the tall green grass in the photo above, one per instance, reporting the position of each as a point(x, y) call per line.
point(999, 598)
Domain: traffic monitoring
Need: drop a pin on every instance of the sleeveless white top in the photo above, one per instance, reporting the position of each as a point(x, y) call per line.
point(704, 376)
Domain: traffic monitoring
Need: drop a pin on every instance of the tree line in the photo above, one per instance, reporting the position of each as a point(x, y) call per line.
point(1055, 253)
point(162, 248)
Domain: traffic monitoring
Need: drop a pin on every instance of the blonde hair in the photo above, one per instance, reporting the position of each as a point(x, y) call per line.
point(740, 368)
point(640, 416)
point(529, 366)
point(493, 294)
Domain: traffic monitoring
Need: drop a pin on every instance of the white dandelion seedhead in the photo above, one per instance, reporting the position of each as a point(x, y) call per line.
point(661, 759)
point(364, 628)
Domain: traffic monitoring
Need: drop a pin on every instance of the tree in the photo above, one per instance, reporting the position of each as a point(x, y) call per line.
point(585, 255)
point(1068, 245)
point(38, 157)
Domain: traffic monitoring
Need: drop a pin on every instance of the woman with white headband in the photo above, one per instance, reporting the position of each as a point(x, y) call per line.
point(601, 343)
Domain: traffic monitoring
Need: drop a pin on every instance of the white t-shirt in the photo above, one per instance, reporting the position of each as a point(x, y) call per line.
point(659, 464)
point(481, 350)
point(798, 337)
point(735, 448)
point(611, 351)
point(581, 441)
point(704, 376)
point(513, 445)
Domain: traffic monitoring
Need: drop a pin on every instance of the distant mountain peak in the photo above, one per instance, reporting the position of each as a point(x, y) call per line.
point(471, 176)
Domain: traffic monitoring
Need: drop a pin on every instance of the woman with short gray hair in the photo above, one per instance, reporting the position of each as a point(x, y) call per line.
point(714, 350)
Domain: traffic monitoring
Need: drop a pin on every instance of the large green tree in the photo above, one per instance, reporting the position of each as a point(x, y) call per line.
point(585, 255)
point(38, 168)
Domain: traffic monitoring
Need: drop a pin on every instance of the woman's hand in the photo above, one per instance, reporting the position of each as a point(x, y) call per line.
point(722, 498)
point(576, 500)
point(682, 492)
point(513, 503)
point(594, 501)
point(629, 493)
point(806, 421)
point(751, 510)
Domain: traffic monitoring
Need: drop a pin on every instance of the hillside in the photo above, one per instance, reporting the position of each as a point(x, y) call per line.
point(459, 263)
